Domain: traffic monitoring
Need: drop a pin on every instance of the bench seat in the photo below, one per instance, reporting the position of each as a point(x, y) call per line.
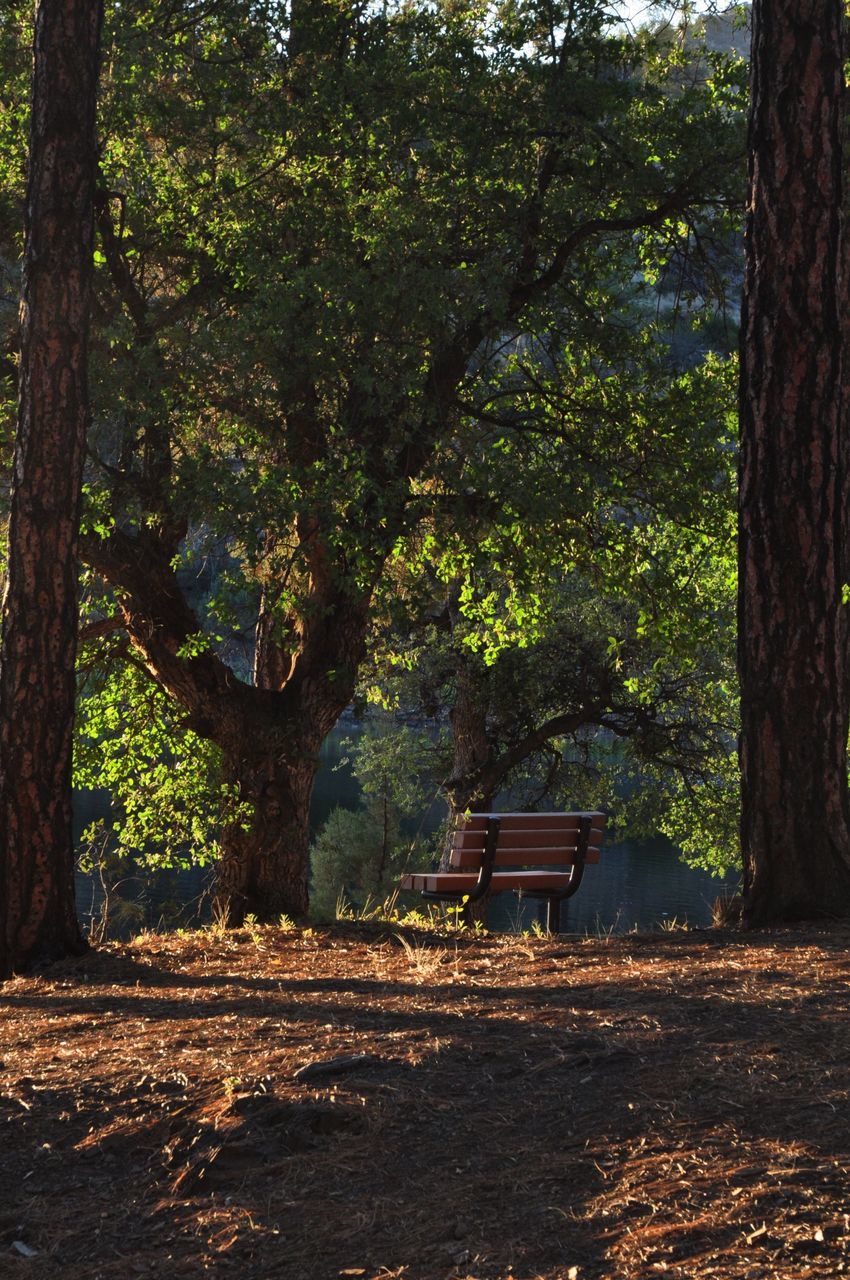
point(465, 881)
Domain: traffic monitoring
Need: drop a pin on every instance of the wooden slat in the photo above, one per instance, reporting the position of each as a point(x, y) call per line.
point(464, 882)
point(525, 821)
point(510, 856)
point(546, 817)
point(539, 839)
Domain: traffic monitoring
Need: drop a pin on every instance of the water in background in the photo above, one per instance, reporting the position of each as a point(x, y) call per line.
point(635, 885)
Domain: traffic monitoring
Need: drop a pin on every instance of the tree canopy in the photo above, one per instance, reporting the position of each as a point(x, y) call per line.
point(375, 289)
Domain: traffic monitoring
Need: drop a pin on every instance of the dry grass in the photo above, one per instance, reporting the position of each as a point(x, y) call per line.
point(516, 1109)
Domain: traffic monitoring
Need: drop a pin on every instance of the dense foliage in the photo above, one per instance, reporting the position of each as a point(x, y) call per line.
point(382, 320)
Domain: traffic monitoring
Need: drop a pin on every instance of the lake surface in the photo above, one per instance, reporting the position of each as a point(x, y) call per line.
point(636, 884)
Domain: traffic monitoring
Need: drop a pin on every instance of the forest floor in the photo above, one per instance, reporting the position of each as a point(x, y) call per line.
point(507, 1108)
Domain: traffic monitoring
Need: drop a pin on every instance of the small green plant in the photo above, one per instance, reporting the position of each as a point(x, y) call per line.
point(285, 922)
point(418, 918)
point(392, 911)
point(253, 929)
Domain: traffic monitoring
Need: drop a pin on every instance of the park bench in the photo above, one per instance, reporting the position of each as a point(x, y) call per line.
point(538, 855)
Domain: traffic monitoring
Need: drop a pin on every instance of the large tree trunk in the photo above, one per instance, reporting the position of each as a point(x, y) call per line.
point(466, 787)
point(37, 910)
point(264, 867)
point(270, 733)
point(795, 825)
point(272, 764)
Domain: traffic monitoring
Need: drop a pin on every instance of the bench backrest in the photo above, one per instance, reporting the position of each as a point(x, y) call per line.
point(527, 839)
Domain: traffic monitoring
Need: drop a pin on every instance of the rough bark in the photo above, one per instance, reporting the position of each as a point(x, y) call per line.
point(39, 624)
point(264, 869)
point(466, 787)
point(270, 734)
point(795, 824)
point(265, 863)
point(39, 919)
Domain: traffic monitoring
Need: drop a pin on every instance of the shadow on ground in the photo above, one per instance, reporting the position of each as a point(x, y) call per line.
point(500, 1107)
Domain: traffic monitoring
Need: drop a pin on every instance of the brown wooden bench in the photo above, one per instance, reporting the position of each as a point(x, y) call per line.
point(540, 855)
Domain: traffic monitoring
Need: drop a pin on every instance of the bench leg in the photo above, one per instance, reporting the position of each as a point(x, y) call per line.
point(553, 915)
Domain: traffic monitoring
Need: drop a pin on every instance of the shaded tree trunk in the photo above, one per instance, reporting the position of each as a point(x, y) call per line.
point(265, 865)
point(467, 787)
point(270, 733)
point(471, 753)
point(38, 918)
point(795, 824)
point(265, 859)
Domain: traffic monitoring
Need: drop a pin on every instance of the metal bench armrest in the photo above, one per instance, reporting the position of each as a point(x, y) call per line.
point(485, 875)
point(485, 872)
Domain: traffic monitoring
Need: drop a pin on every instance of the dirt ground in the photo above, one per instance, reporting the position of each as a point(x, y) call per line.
point(499, 1107)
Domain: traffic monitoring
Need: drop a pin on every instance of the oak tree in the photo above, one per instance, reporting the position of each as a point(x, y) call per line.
point(317, 238)
point(320, 230)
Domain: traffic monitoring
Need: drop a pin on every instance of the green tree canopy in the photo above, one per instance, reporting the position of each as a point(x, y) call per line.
point(335, 245)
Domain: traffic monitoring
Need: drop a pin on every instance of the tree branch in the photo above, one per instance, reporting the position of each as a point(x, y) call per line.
point(96, 630)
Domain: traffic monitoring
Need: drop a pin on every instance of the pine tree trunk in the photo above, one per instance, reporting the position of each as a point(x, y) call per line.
point(795, 825)
point(37, 911)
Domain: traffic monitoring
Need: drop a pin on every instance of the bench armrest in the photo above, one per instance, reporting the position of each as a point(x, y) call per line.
point(485, 875)
point(577, 871)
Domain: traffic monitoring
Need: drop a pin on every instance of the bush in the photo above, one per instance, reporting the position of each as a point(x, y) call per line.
point(361, 854)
